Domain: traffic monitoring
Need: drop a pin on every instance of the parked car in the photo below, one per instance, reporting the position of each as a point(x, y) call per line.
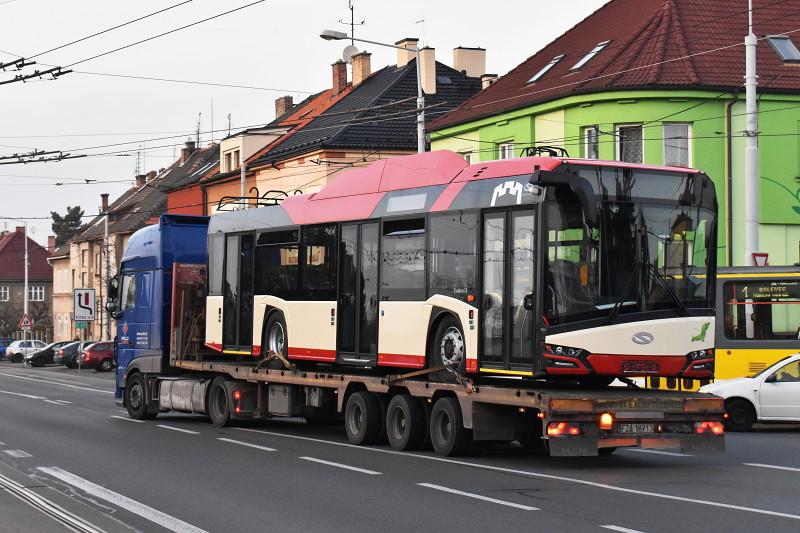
point(45, 355)
point(4, 342)
point(99, 356)
point(68, 354)
point(17, 350)
point(772, 395)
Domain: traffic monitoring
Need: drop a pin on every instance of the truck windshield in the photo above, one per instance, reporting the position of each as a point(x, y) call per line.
point(648, 254)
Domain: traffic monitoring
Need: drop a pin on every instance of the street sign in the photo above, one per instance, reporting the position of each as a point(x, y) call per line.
point(760, 259)
point(25, 322)
point(83, 300)
point(81, 325)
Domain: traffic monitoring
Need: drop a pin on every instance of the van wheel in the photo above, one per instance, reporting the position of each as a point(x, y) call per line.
point(275, 337)
point(448, 434)
point(447, 348)
point(363, 418)
point(135, 398)
point(219, 405)
point(406, 423)
point(741, 415)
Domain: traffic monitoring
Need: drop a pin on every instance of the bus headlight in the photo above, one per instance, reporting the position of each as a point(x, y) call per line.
point(701, 354)
point(564, 351)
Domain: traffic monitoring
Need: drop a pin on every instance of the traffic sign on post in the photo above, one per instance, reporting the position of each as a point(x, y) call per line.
point(760, 259)
point(84, 305)
point(25, 322)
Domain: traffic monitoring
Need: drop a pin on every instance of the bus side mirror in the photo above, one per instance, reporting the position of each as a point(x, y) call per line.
point(579, 186)
point(113, 288)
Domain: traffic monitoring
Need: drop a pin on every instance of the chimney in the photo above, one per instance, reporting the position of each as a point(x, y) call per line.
point(187, 150)
point(20, 229)
point(488, 79)
point(140, 179)
point(51, 243)
point(471, 61)
point(427, 57)
point(282, 105)
point(339, 76)
point(104, 201)
point(362, 67)
point(405, 56)
point(150, 175)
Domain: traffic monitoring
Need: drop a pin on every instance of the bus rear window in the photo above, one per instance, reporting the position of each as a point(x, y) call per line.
point(762, 310)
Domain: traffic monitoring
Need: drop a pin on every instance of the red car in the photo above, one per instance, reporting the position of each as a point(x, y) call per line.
point(99, 356)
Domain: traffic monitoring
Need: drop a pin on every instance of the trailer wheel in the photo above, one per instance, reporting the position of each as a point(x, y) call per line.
point(741, 415)
point(448, 434)
point(448, 349)
point(363, 418)
point(135, 398)
point(219, 405)
point(406, 423)
point(275, 337)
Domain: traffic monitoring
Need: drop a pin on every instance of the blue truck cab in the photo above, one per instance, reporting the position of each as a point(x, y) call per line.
point(141, 293)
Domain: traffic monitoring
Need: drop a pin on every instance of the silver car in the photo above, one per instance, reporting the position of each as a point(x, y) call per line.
point(17, 350)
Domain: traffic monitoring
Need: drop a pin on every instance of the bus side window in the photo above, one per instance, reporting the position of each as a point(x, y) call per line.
point(403, 265)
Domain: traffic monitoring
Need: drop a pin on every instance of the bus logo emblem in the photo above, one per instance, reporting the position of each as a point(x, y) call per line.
point(642, 337)
point(508, 188)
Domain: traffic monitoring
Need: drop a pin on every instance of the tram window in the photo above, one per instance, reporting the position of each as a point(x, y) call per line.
point(453, 255)
point(403, 264)
point(216, 255)
point(277, 270)
point(319, 265)
point(761, 310)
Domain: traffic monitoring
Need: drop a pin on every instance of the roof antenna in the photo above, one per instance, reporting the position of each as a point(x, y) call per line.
point(199, 118)
point(352, 22)
point(424, 40)
point(229, 124)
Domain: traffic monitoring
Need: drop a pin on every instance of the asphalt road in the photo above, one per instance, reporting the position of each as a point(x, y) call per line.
point(65, 442)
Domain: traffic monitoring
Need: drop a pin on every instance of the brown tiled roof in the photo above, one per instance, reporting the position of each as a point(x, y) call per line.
point(12, 254)
point(650, 40)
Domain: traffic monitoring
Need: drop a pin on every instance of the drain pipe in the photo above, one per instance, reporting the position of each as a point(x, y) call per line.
point(729, 178)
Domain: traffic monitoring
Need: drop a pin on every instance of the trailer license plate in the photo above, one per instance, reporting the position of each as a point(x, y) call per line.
point(636, 428)
point(640, 367)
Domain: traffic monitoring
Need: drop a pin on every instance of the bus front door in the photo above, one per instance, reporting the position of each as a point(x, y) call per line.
point(357, 334)
point(508, 277)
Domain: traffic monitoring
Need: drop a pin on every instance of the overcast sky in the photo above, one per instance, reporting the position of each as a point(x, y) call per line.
point(273, 44)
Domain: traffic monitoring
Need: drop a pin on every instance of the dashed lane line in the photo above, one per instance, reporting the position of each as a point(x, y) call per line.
point(242, 443)
point(776, 467)
point(68, 385)
point(539, 475)
point(658, 452)
point(17, 454)
point(164, 520)
point(340, 465)
point(127, 419)
point(621, 529)
point(54, 402)
point(29, 396)
point(479, 497)
point(173, 428)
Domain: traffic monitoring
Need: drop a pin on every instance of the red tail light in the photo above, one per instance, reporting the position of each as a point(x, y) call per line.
point(61, 352)
point(557, 429)
point(715, 428)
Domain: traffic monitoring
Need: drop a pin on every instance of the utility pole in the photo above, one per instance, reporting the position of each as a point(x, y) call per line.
point(751, 215)
point(107, 319)
point(25, 300)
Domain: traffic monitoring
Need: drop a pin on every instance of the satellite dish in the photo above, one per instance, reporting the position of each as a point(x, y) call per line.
point(348, 53)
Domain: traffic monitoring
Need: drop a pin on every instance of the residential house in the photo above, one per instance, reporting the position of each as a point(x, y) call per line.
point(12, 285)
point(63, 284)
point(181, 182)
point(658, 82)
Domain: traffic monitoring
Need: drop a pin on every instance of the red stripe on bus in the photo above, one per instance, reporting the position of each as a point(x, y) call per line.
point(445, 199)
point(214, 346)
point(256, 350)
point(312, 354)
point(408, 361)
point(472, 365)
point(611, 365)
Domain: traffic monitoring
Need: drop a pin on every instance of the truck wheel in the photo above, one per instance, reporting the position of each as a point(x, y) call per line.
point(275, 337)
point(219, 405)
point(741, 415)
point(447, 348)
point(135, 398)
point(363, 418)
point(448, 434)
point(406, 423)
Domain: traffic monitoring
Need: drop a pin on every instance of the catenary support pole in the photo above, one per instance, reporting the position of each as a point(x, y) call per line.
point(751, 215)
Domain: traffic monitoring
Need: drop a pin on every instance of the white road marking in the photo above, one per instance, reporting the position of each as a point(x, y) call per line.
point(340, 465)
point(58, 383)
point(29, 396)
point(18, 454)
point(127, 419)
point(537, 475)
point(242, 443)
point(173, 428)
point(479, 497)
point(65, 402)
point(622, 529)
point(157, 517)
point(789, 468)
point(657, 452)
point(54, 402)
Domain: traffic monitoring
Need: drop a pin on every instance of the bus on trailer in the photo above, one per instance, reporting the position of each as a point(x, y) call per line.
point(537, 267)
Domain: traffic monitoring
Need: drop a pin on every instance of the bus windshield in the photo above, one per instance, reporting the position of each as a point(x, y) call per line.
point(648, 253)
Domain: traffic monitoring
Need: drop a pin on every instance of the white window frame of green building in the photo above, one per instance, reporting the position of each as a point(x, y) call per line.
point(670, 140)
point(467, 155)
point(35, 293)
point(4, 293)
point(618, 130)
point(505, 150)
point(591, 142)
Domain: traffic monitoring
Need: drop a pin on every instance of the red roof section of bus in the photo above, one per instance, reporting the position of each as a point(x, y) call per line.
point(506, 167)
point(622, 164)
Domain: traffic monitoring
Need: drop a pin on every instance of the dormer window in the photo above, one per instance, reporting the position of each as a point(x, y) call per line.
point(546, 68)
point(785, 48)
point(593, 52)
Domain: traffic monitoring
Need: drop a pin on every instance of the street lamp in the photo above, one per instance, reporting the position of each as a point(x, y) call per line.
point(333, 35)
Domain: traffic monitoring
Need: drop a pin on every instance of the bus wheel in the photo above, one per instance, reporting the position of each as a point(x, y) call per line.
point(135, 398)
point(448, 434)
point(447, 349)
point(741, 415)
point(218, 405)
point(406, 423)
point(363, 418)
point(275, 335)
